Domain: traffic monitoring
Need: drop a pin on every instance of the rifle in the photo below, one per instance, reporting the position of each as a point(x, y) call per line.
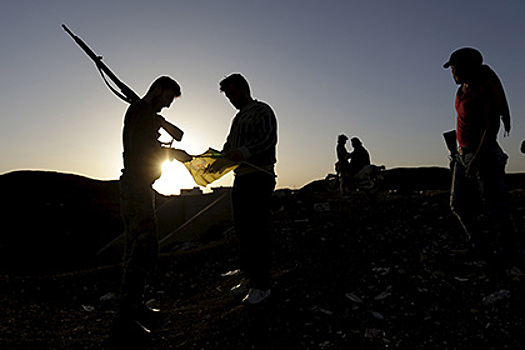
point(450, 141)
point(126, 93)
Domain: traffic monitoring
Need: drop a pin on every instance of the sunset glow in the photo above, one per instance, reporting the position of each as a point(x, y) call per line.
point(174, 177)
point(368, 69)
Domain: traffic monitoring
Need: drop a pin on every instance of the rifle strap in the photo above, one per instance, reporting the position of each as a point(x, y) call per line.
point(119, 95)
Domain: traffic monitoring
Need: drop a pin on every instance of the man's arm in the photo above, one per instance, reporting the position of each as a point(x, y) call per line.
point(492, 123)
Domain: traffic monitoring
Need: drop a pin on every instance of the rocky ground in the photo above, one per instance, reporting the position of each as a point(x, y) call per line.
point(388, 272)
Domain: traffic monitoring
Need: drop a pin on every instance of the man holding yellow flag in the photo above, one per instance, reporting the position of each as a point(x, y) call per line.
point(251, 142)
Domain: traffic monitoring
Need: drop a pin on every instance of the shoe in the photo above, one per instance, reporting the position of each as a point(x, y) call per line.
point(150, 318)
point(255, 296)
point(241, 288)
point(128, 332)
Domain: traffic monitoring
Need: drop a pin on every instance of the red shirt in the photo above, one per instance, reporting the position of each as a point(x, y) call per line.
point(478, 108)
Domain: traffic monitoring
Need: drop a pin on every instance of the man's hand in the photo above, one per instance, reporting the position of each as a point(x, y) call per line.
point(235, 155)
point(219, 164)
point(506, 126)
point(180, 155)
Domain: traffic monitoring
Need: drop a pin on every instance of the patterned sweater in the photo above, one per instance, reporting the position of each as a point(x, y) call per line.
point(254, 133)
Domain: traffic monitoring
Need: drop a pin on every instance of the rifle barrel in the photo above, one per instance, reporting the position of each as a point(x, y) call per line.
point(130, 95)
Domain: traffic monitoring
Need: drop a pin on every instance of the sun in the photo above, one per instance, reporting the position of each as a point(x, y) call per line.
point(174, 177)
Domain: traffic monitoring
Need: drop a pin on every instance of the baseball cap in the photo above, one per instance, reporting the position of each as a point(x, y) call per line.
point(465, 55)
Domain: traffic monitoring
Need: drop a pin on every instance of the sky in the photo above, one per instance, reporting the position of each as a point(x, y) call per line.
point(371, 69)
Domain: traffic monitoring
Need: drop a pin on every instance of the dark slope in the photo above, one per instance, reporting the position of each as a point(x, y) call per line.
point(349, 274)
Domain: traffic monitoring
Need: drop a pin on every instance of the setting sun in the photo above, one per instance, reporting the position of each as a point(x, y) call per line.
point(174, 177)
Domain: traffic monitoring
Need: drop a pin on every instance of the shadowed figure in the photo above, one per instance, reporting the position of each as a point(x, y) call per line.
point(251, 141)
point(342, 165)
point(479, 163)
point(359, 160)
point(143, 156)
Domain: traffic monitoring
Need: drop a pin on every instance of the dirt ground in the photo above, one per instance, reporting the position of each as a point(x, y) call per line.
point(389, 272)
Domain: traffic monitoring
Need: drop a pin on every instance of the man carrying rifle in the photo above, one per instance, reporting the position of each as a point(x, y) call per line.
point(479, 164)
point(143, 157)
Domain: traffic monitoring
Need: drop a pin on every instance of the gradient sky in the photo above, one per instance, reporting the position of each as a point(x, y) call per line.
point(371, 69)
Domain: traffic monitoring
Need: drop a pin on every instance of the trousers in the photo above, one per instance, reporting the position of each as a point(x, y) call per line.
point(251, 204)
point(141, 246)
point(483, 191)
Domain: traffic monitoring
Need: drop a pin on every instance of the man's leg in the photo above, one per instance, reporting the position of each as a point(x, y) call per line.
point(251, 199)
point(141, 254)
point(492, 186)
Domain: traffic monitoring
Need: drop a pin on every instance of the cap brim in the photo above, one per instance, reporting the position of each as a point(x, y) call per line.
point(446, 65)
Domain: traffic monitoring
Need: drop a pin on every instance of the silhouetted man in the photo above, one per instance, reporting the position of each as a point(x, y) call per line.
point(342, 167)
point(143, 156)
point(480, 161)
point(359, 158)
point(342, 154)
point(252, 141)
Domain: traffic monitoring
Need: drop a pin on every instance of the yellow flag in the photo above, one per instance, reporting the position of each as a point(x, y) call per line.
point(209, 166)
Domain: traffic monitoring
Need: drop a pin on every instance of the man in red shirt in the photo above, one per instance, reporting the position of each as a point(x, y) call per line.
point(480, 162)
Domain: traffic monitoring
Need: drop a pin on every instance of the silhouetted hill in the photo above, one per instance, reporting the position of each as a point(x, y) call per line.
point(419, 179)
point(55, 220)
point(435, 178)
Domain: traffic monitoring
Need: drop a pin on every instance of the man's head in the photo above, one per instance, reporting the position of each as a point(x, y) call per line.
point(355, 142)
point(162, 92)
point(342, 138)
point(236, 89)
point(464, 63)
